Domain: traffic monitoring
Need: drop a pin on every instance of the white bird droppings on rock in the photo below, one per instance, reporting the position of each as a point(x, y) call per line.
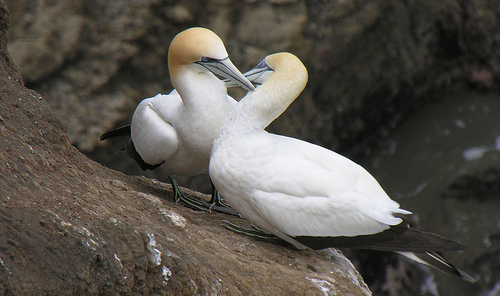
point(154, 254)
point(153, 199)
point(166, 273)
point(176, 218)
point(325, 286)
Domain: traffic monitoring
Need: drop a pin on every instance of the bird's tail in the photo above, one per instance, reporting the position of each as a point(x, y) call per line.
point(121, 131)
point(129, 147)
point(439, 262)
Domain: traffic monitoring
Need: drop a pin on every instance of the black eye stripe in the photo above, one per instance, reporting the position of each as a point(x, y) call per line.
point(262, 64)
point(208, 60)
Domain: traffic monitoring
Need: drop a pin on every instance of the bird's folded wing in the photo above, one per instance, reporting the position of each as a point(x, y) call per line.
point(155, 139)
point(321, 194)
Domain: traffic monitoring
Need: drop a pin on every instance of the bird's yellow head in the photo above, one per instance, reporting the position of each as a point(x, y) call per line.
point(287, 69)
point(195, 44)
point(202, 47)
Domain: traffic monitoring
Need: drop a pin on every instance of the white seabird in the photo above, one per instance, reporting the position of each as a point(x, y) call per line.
point(175, 131)
point(307, 195)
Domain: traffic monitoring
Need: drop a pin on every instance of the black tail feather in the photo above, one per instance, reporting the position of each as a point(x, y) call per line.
point(400, 239)
point(132, 152)
point(121, 131)
point(439, 262)
point(130, 147)
point(397, 238)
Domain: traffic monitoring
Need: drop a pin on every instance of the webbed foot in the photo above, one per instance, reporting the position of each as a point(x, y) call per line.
point(250, 231)
point(215, 204)
point(218, 205)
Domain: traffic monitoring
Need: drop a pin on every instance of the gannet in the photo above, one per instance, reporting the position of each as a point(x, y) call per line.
point(175, 131)
point(307, 195)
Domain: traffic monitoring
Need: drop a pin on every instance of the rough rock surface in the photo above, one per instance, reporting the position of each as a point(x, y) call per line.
point(69, 226)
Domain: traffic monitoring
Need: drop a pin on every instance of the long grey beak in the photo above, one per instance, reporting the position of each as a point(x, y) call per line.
point(258, 75)
point(226, 69)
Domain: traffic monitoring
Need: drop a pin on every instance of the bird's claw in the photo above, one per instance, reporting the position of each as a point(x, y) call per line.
point(204, 206)
point(250, 231)
point(215, 203)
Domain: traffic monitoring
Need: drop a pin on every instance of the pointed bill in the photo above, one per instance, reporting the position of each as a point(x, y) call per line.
point(226, 69)
point(256, 76)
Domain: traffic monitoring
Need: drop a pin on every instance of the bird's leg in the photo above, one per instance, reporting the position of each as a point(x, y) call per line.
point(217, 204)
point(189, 202)
point(251, 231)
point(199, 205)
point(216, 200)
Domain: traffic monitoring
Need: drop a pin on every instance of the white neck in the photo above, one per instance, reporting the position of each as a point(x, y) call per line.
point(191, 81)
point(262, 106)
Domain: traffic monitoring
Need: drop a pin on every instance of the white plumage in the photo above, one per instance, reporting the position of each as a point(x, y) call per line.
point(305, 194)
point(296, 187)
point(176, 131)
point(299, 188)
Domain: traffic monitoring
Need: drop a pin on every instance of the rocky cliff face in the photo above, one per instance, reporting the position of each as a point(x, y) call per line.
point(70, 226)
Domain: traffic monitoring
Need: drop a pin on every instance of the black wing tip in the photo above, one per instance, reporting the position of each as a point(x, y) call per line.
point(132, 152)
point(438, 261)
point(130, 147)
point(460, 247)
point(105, 136)
point(121, 131)
point(463, 275)
point(429, 242)
point(397, 239)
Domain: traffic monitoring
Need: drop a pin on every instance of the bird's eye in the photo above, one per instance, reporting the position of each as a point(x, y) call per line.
point(208, 60)
point(262, 64)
